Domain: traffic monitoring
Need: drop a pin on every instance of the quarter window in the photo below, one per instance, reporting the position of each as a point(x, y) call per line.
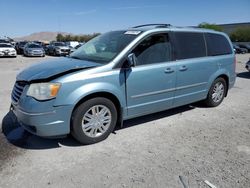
point(153, 49)
point(189, 45)
point(217, 44)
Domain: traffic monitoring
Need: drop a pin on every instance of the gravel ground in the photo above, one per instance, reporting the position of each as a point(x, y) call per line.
point(192, 143)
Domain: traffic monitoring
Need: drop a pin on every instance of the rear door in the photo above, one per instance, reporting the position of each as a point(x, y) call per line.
point(193, 67)
point(150, 84)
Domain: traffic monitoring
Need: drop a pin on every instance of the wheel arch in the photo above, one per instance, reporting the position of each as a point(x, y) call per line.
point(104, 94)
point(219, 74)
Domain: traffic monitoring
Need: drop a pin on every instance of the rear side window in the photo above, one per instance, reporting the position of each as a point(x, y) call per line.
point(189, 45)
point(217, 44)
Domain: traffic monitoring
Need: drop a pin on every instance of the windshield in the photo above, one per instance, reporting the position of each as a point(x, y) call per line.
point(4, 41)
point(59, 44)
point(105, 47)
point(23, 43)
point(5, 46)
point(34, 46)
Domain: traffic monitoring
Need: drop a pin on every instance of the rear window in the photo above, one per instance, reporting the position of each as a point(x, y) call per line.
point(189, 45)
point(217, 44)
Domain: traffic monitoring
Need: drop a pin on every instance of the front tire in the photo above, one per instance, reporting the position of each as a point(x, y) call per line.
point(216, 92)
point(93, 120)
point(54, 52)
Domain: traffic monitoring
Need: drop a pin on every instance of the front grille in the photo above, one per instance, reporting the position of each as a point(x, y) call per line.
point(37, 52)
point(17, 91)
point(65, 50)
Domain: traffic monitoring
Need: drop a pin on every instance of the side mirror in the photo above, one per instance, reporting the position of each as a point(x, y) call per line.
point(131, 60)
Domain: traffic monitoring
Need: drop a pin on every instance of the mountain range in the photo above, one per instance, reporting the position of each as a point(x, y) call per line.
point(41, 36)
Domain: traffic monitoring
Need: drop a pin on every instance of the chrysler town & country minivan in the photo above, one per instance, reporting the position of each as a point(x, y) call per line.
point(120, 75)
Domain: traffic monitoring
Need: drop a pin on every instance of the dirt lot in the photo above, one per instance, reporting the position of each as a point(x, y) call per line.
point(193, 142)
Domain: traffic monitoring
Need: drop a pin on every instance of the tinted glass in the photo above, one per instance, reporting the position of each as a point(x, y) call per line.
point(5, 45)
point(217, 44)
point(3, 41)
point(22, 43)
point(154, 49)
point(34, 46)
point(189, 45)
point(59, 44)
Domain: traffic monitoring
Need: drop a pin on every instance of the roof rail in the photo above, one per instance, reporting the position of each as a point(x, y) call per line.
point(157, 25)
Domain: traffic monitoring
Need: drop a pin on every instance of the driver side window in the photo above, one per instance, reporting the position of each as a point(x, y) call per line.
point(153, 49)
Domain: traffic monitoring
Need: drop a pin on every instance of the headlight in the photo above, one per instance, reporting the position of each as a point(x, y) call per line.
point(43, 91)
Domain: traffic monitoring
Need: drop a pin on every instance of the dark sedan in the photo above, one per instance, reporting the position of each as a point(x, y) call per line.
point(246, 46)
point(239, 50)
point(19, 46)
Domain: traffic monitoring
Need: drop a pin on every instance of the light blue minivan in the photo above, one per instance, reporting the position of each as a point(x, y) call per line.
point(120, 75)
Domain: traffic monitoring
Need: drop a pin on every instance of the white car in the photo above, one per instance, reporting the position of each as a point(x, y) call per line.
point(7, 50)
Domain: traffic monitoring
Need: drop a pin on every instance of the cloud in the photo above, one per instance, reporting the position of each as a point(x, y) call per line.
point(85, 12)
point(138, 7)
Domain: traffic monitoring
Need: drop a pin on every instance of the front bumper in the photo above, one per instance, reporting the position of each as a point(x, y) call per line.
point(7, 54)
point(55, 121)
point(35, 54)
point(60, 52)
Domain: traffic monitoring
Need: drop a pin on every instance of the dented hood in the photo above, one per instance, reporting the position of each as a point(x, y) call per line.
point(53, 68)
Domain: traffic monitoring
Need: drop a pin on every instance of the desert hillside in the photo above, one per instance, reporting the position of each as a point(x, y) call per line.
point(40, 36)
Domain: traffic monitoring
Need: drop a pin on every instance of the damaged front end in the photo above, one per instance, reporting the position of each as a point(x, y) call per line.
point(34, 93)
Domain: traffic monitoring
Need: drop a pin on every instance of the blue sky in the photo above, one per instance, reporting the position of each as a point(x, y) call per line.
point(23, 17)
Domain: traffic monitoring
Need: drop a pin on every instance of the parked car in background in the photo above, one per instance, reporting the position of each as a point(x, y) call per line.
point(46, 48)
point(72, 49)
point(38, 42)
point(7, 50)
point(79, 45)
point(239, 50)
point(248, 65)
point(4, 41)
point(246, 46)
point(34, 50)
point(58, 49)
point(75, 48)
point(20, 46)
point(73, 44)
point(121, 75)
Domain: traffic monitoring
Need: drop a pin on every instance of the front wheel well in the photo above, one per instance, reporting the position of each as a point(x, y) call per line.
point(107, 95)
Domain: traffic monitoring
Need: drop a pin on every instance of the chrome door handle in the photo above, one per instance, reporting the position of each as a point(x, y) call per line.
point(168, 70)
point(183, 68)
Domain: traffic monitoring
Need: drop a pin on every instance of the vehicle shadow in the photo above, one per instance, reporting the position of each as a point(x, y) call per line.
point(19, 137)
point(6, 57)
point(156, 116)
point(244, 75)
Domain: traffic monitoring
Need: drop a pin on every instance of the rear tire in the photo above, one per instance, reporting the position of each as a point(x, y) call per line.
point(216, 92)
point(93, 120)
